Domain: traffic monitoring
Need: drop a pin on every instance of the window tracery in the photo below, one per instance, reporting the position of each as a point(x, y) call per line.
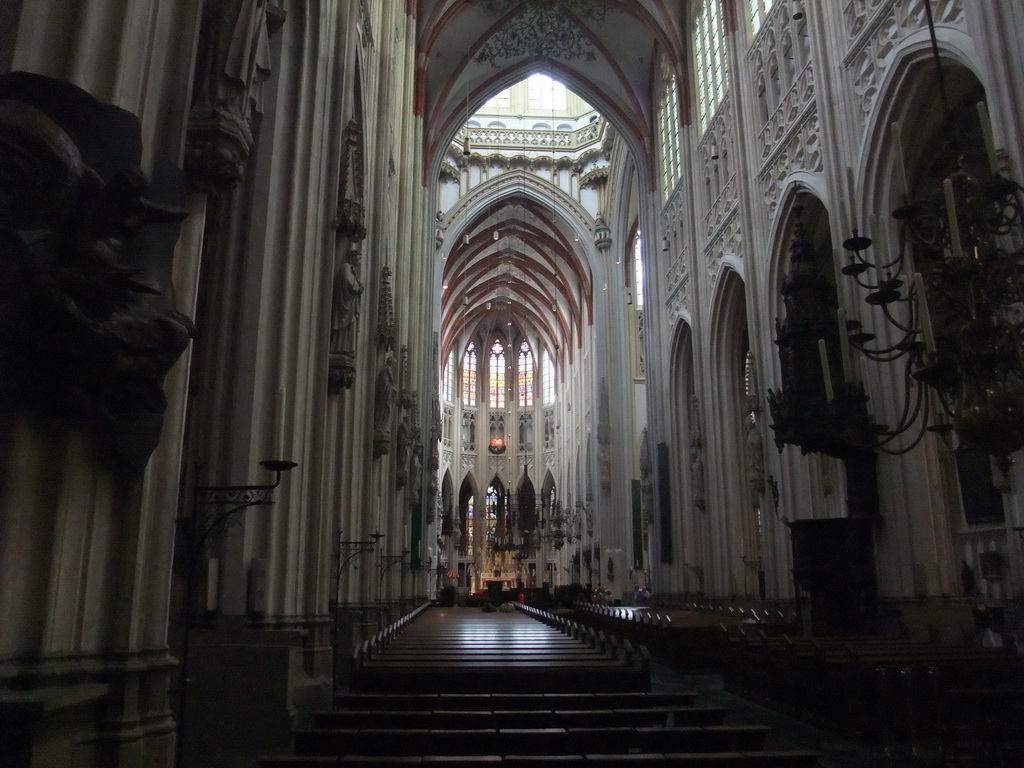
point(469, 375)
point(711, 60)
point(525, 374)
point(496, 376)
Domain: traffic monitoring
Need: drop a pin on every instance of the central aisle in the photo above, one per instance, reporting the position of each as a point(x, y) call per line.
point(465, 650)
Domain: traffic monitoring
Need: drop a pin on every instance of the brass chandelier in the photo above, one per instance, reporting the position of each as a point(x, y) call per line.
point(952, 287)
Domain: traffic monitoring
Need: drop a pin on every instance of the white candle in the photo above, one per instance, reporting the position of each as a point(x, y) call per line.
point(881, 248)
point(864, 375)
point(844, 342)
point(837, 265)
point(212, 583)
point(954, 225)
point(853, 196)
point(844, 213)
point(901, 168)
point(986, 132)
point(282, 402)
point(826, 372)
point(926, 319)
point(872, 228)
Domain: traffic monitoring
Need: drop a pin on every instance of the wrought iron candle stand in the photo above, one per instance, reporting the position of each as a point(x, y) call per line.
point(345, 553)
point(385, 565)
point(194, 532)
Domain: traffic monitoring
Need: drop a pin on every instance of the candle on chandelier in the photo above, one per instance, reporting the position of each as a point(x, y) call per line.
point(901, 168)
point(826, 372)
point(837, 265)
point(954, 225)
point(926, 318)
point(282, 400)
point(881, 248)
point(852, 187)
point(844, 342)
point(990, 142)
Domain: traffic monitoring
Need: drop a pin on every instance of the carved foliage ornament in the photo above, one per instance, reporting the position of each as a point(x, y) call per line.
point(88, 327)
point(540, 28)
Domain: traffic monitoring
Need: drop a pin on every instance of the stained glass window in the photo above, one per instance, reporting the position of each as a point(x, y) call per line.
point(492, 512)
point(668, 127)
point(638, 270)
point(469, 375)
point(525, 373)
point(711, 65)
point(496, 376)
point(547, 374)
point(469, 526)
point(448, 379)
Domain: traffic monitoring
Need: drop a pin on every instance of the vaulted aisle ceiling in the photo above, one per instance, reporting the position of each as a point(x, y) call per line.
point(535, 274)
point(601, 49)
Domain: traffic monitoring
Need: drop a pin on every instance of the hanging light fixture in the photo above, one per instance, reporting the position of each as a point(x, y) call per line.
point(958, 308)
point(466, 149)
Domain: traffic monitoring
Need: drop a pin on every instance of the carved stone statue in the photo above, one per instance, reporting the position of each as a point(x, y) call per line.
point(345, 308)
point(347, 290)
point(233, 62)
point(385, 394)
point(88, 326)
point(415, 475)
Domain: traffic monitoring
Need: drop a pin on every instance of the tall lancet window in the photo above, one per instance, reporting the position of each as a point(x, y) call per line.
point(492, 513)
point(469, 375)
point(448, 379)
point(638, 269)
point(758, 11)
point(711, 64)
point(547, 374)
point(668, 128)
point(525, 375)
point(496, 376)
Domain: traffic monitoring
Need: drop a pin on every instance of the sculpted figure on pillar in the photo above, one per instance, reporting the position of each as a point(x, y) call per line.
point(415, 475)
point(232, 65)
point(347, 290)
point(385, 395)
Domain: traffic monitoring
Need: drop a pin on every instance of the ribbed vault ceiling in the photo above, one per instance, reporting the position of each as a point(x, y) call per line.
point(536, 275)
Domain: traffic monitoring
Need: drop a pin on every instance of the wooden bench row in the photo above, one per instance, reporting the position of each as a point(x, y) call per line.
point(680, 647)
point(372, 646)
point(607, 643)
point(762, 759)
point(521, 718)
point(882, 689)
point(513, 701)
point(537, 741)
